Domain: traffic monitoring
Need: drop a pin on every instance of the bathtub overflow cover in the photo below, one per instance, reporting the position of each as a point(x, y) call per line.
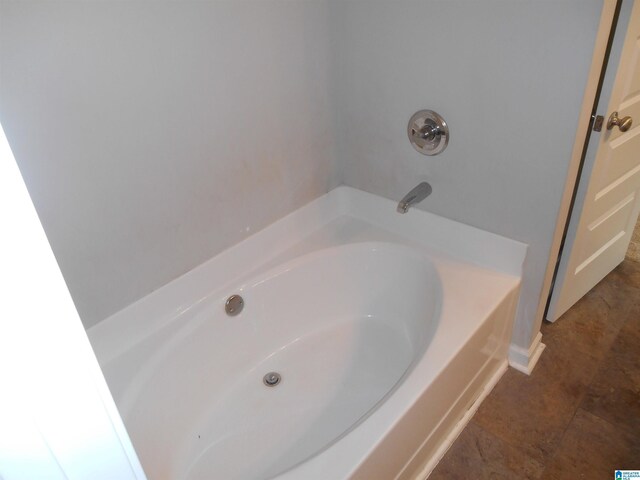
point(234, 305)
point(271, 379)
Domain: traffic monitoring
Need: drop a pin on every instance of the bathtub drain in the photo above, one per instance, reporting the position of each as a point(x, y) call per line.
point(271, 379)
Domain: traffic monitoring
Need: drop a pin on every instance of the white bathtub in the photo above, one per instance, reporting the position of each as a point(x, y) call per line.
point(387, 331)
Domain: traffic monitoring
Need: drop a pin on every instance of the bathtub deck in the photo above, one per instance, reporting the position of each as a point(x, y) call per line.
point(577, 415)
point(480, 277)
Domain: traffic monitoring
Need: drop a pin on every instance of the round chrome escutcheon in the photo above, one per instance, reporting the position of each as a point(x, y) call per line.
point(428, 132)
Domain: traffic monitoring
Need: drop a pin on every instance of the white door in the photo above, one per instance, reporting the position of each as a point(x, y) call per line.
point(600, 231)
point(57, 417)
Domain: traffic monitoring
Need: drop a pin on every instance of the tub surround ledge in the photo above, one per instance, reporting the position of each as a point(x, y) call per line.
point(178, 339)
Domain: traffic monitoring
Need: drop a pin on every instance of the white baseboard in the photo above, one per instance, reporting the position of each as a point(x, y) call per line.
point(526, 360)
point(457, 430)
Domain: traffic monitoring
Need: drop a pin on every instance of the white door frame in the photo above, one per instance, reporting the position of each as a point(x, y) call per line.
point(603, 43)
point(57, 416)
point(596, 243)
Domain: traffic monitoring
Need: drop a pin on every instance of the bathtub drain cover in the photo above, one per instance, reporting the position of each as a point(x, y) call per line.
point(271, 379)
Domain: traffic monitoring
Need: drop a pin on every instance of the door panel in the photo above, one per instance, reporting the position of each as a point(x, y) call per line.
point(604, 228)
point(600, 231)
point(620, 158)
point(632, 89)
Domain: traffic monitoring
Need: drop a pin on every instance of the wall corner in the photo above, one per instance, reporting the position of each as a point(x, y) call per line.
point(526, 360)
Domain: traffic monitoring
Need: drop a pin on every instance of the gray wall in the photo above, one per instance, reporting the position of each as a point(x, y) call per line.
point(154, 135)
point(508, 76)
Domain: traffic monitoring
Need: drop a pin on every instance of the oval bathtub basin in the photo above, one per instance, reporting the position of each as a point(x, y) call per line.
point(341, 326)
point(385, 332)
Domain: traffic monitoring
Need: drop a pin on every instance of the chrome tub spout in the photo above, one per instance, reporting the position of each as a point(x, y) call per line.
point(416, 195)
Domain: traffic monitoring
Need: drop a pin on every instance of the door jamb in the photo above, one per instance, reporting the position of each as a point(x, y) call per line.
point(578, 177)
point(593, 88)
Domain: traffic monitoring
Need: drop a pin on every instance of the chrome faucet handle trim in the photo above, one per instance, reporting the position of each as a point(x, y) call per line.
point(428, 132)
point(416, 195)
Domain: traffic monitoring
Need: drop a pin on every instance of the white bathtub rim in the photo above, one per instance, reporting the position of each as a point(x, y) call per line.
point(118, 333)
point(456, 239)
point(189, 290)
point(340, 202)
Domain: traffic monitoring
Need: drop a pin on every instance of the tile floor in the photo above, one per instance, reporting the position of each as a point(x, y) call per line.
point(578, 415)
